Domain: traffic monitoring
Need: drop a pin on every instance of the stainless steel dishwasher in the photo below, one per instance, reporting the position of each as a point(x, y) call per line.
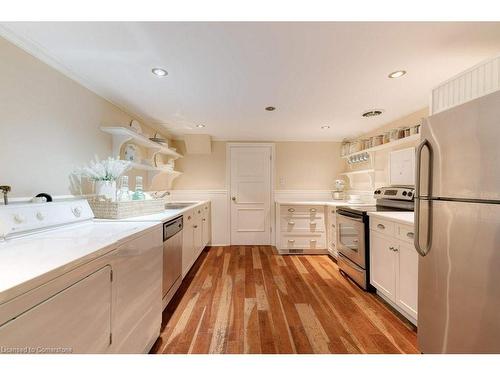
point(172, 258)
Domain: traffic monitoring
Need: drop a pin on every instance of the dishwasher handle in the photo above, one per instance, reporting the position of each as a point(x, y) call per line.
point(172, 227)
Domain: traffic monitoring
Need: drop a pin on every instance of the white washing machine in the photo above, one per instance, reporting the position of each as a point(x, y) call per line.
point(72, 284)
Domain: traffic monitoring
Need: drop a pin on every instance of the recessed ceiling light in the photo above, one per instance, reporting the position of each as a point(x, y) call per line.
point(325, 127)
point(397, 74)
point(270, 109)
point(159, 72)
point(373, 113)
point(200, 126)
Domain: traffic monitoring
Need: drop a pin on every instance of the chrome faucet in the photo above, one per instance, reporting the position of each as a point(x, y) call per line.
point(163, 195)
point(5, 190)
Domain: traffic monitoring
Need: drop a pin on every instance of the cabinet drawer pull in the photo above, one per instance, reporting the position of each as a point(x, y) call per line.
point(204, 220)
point(410, 235)
point(189, 217)
point(291, 223)
point(312, 223)
point(195, 226)
point(312, 209)
point(312, 240)
point(380, 226)
point(291, 210)
point(291, 240)
point(393, 248)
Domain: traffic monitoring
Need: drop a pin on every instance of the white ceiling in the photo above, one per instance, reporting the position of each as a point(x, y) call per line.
point(222, 75)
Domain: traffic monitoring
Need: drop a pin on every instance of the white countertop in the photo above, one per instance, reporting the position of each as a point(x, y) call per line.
point(29, 261)
point(397, 216)
point(164, 215)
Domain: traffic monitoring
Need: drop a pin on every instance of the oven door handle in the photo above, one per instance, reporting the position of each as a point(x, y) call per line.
point(350, 216)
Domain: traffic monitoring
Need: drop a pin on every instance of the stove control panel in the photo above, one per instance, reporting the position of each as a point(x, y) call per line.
point(16, 219)
point(395, 192)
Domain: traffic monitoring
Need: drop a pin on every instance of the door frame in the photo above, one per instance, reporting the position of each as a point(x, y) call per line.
point(272, 147)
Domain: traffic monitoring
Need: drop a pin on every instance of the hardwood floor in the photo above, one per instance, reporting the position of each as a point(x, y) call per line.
point(250, 299)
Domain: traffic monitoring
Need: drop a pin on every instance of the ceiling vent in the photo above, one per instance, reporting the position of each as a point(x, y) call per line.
point(373, 113)
point(200, 144)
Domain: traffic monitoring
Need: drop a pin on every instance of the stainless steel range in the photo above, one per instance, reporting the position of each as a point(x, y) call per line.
point(353, 241)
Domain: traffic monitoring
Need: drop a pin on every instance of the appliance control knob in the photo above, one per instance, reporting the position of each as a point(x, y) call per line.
point(404, 193)
point(410, 193)
point(39, 216)
point(18, 218)
point(77, 211)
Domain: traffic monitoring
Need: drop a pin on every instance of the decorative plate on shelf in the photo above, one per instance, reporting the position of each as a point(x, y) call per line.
point(131, 153)
point(136, 126)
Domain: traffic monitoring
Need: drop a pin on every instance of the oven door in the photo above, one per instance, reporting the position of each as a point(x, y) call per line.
point(351, 238)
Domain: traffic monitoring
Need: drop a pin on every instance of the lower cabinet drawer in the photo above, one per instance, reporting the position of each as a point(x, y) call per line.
point(405, 232)
point(303, 224)
point(312, 210)
point(303, 242)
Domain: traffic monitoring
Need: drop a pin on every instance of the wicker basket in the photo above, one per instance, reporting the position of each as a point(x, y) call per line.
point(105, 209)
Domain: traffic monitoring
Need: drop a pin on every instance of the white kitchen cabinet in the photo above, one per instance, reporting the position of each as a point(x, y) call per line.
point(382, 264)
point(197, 232)
point(206, 224)
point(301, 229)
point(407, 287)
point(195, 235)
point(187, 242)
point(332, 231)
point(394, 265)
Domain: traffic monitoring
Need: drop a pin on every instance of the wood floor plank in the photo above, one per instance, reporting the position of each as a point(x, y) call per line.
point(250, 299)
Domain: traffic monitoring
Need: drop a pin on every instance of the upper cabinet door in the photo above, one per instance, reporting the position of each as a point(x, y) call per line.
point(402, 167)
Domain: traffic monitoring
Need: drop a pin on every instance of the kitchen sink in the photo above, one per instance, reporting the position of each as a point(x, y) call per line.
point(177, 205)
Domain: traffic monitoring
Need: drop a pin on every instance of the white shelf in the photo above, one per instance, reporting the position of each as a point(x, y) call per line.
point(402, 141)
point(122, 134)
point(361, 171)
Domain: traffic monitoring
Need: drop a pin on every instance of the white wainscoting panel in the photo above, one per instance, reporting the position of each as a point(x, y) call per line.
point(480, 80)
point(219, 212)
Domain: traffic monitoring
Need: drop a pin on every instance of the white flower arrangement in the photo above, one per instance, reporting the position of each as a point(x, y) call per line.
point(104, 170)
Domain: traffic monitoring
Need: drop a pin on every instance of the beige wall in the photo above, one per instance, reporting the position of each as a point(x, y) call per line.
point(307, 165)
point(201, 172)
point(299, 166)
point(49, 125)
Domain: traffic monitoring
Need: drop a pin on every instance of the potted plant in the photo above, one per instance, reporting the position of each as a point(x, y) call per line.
point(104, 174)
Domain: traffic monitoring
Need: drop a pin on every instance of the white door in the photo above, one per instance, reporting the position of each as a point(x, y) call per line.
point(250, 191)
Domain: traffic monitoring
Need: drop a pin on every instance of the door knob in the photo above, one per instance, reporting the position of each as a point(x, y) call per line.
point(233, 199)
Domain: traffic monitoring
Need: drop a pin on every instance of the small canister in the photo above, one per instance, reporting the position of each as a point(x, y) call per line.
point(387, 137)
point(377, 140)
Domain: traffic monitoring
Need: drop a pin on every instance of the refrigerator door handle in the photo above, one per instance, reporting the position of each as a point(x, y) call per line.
point(425, 250)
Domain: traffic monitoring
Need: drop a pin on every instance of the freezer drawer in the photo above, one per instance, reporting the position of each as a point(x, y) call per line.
point(459, 278)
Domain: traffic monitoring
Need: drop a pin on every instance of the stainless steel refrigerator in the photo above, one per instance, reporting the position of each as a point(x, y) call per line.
point(457, 229)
